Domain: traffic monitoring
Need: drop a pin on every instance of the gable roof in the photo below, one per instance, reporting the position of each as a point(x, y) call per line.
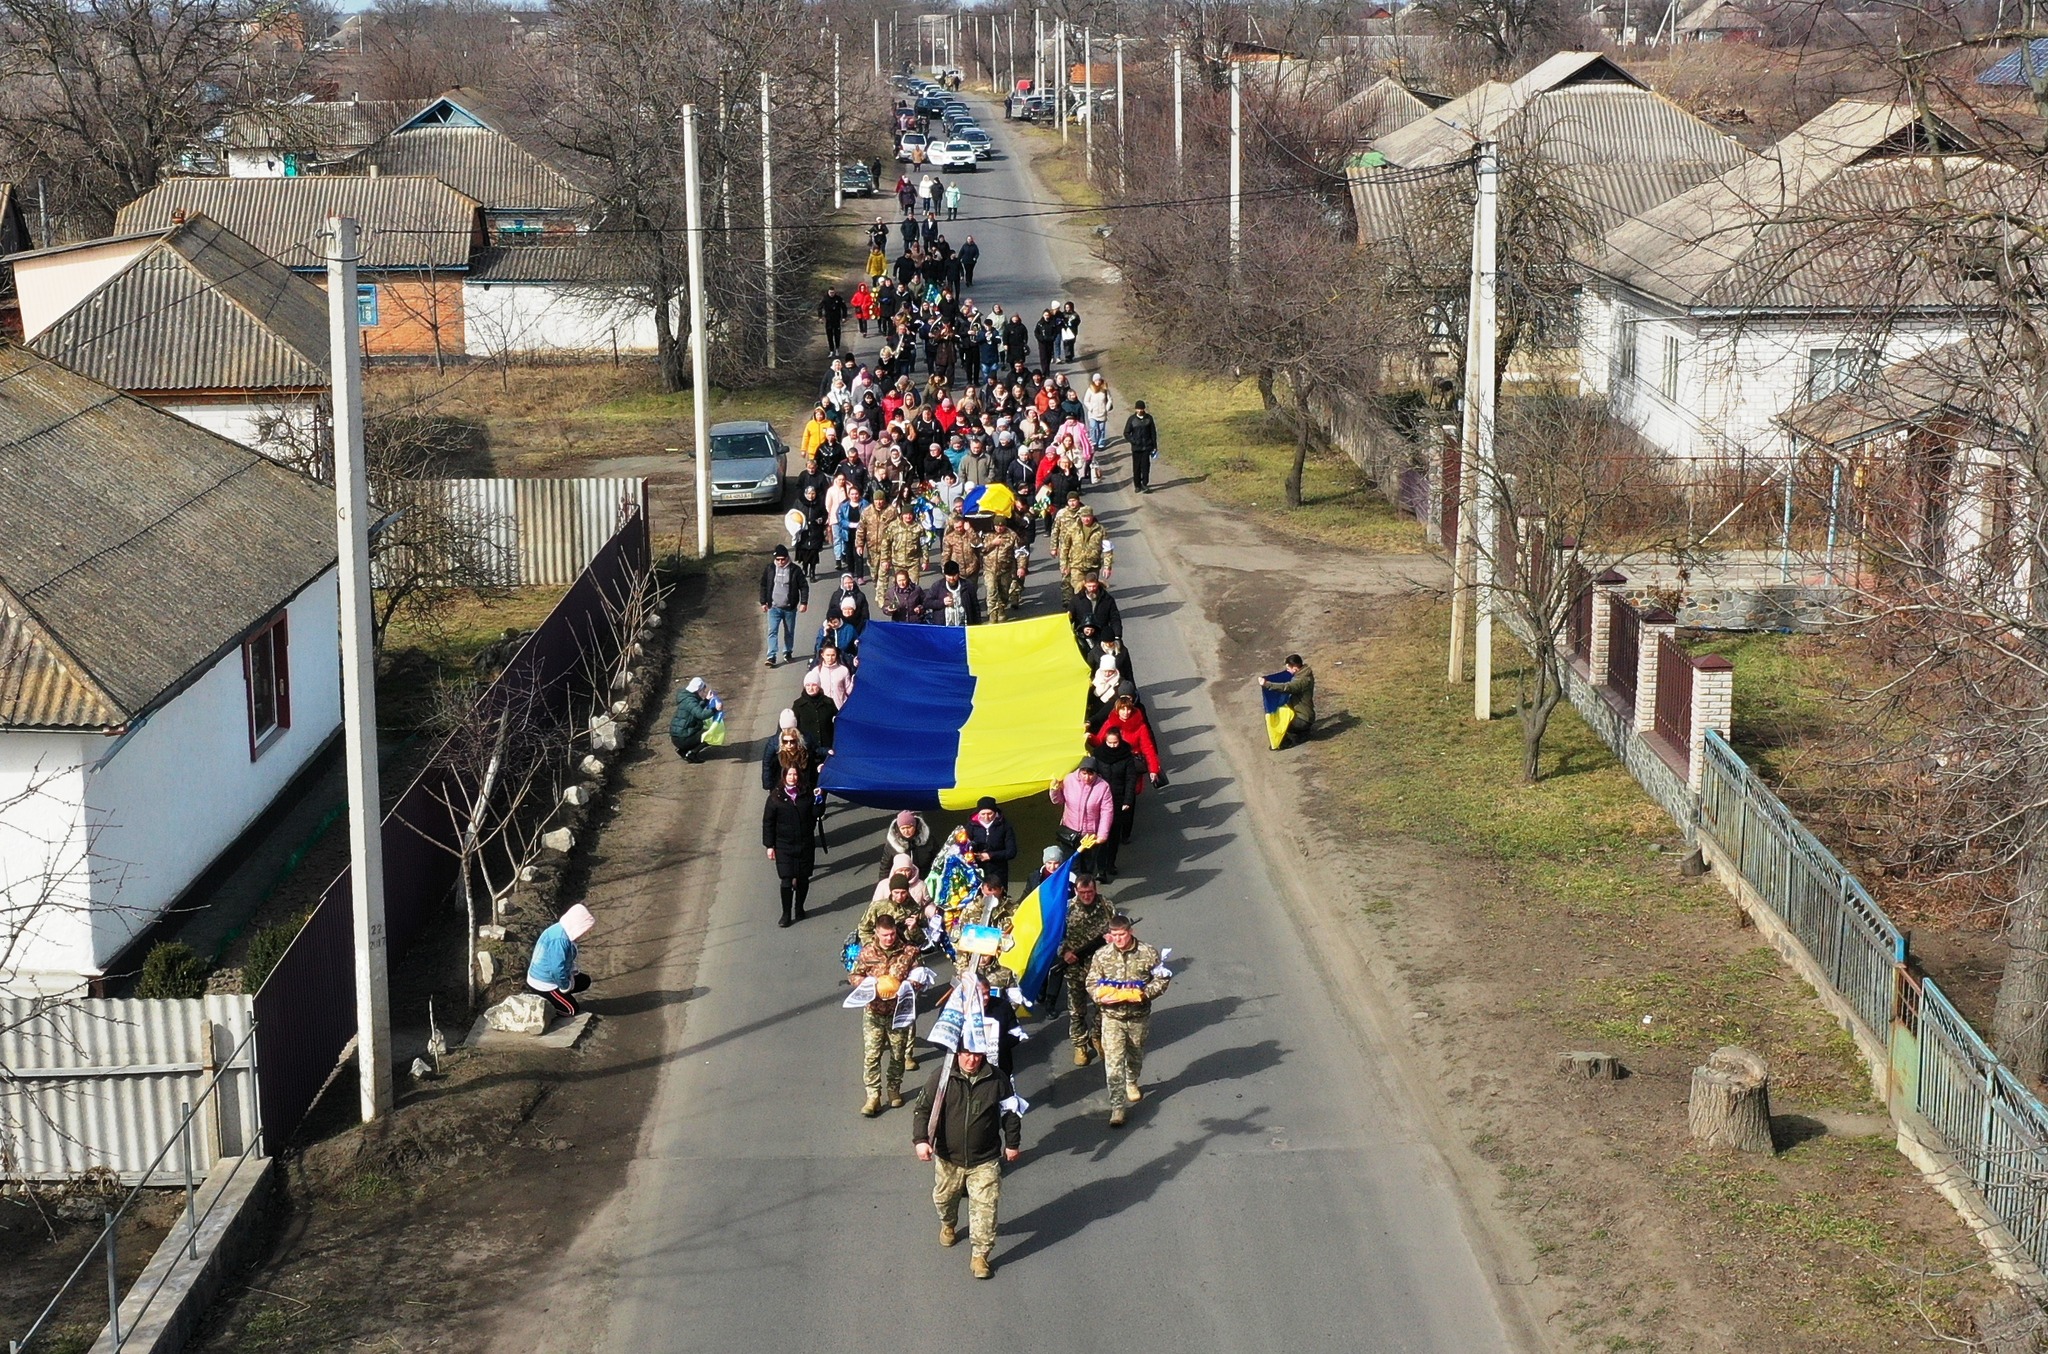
point(328, 128)
point(1721, 16)
point(463, 139)
point(1957, 381)
point(1616, 147)
point(408, 223)
point(2010, 70)
point(1726, 242)
point(1386, 105)
point(201, 309)
point(134, 547)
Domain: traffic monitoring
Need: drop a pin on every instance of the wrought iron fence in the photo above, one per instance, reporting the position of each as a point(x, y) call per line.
point(1940, 1068)
point(1624, 641)
point(1674, 694)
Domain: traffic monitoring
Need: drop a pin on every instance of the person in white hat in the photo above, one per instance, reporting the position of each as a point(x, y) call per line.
point(696, 707)
point(552, 971)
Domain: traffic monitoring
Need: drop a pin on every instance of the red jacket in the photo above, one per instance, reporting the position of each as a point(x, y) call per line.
point(863, 304)
point(1137, 733)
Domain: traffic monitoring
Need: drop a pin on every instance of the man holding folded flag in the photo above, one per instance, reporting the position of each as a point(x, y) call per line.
point(1125, 978)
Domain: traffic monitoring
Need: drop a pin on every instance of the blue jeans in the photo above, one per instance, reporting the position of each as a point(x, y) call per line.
point(782, 619)
point(1098, 433)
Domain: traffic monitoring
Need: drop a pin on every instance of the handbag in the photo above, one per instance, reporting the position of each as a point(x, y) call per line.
point(1069, 839)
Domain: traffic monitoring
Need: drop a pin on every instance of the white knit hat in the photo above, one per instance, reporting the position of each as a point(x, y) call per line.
point(786, 720)
point(694, 684)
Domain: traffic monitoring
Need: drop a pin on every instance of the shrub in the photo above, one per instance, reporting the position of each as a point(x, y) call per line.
point(266, 947)
point(173, 969)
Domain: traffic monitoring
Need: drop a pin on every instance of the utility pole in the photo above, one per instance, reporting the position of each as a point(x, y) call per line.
point(1088, 104)
point(1485, 498)
point(838, 181)
point(700, 362)
point(1236, 161)
point(1121, 184)
point(767, 230)
point(1060, 76)
point(358, 675)
point(1013, 51)
point(878, 48)
point(1180, 158)
point(1037, 50)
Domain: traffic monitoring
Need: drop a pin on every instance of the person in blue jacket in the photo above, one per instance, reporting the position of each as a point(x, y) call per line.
point(552, 971)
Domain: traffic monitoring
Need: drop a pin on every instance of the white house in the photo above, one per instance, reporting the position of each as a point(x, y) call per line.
point(193, 319)
point(304, 136)
point(168, 661)
point(1777, 283)
point(557, 298)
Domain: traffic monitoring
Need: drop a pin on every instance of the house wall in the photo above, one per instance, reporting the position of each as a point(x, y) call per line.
point(51, 285)
point(522, 317)
point(277, 427)
point(180, 787)
point(261, 163)
point(411, 309)
point(1734, 376)
point(44, 897)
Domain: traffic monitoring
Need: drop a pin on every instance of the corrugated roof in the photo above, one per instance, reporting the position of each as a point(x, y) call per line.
point(134, 547)
point(1726, 242)
point(583, 261)
point(477, 161)
point(1386, 105)
point(1610, 146)
point(2011, 70)
point(202, 309)
point(1720, 16)
point(408, 222)
point(331, 128)
point(1955, 379)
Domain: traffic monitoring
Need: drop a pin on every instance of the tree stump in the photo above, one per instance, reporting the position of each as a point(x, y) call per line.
point(1590, 1066)
point(1731, 1102)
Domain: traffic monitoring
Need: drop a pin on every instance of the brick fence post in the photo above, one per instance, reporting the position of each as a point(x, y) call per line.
point(1608, 584)
point(1713, 707)
point(1657, 623)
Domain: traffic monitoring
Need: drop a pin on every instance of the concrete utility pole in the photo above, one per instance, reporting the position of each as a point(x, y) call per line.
point(767, 229)
point(1121, 183)
point(358, 675)
point(1478, 531)
point(838, 181)
point(700, 361)
point(1180, 157)
point(878, 47)
point(1037, 51)
point(1088, 104)
point(1236, 161)
point(1060, 76)
point(1013, 50)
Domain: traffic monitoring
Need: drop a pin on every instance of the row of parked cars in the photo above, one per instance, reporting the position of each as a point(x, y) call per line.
point(952, 139)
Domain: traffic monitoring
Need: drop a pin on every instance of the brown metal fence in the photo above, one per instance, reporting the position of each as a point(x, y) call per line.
point(306, 1011)
point(1624, 640)
point(1674, 694)
point(1579, 623)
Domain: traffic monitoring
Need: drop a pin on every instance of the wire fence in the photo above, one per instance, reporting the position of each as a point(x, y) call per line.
point(1939, 1068)
point(184, 1232)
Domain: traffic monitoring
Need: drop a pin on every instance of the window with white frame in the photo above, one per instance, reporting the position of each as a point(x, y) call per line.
point(1831, 369)
point(1624, 344)
point(266, 672)
point(1667, 379)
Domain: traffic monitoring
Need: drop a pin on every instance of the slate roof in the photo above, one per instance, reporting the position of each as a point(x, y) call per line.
point(1805, 224)
point(408, 222)
point(490, 162)
point(1386, 105)
point(201, 309)
point(327, 129)
point(584, 261)
point(1617, 147)
point(135, 548)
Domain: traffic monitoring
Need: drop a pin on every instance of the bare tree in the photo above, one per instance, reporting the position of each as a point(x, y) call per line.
point(100, 98)
point(1509, 31)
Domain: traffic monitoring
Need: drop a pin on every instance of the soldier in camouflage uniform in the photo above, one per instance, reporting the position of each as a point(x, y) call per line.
point(1088, 914)
point(964, 1124)
point(871, 540)
point(1001, 557)
point(963, 547)
point(1122, 966)
point(1063, 523)
point(883, 1048)
point(907, 547)
point(1087, 552)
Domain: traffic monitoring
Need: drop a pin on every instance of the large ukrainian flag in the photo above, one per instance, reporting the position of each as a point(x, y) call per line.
point(942, 715)
point(1279, 714)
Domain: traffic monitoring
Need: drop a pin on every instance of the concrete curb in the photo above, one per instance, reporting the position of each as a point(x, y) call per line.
point(165, 1302)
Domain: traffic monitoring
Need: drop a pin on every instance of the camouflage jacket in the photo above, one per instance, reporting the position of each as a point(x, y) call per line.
point(876, 962)
point(963, 548)
point(1084, 547)
point(1115, 966)
point(1085, 925)
point(999, 551)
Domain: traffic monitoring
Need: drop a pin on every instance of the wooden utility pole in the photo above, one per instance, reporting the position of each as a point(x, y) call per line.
point(358, 676)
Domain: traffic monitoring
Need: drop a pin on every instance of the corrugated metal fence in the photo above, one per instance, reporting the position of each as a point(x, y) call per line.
point(307, 1004)
point(1939, 1070)
point(102, 1084)
point(526, 532)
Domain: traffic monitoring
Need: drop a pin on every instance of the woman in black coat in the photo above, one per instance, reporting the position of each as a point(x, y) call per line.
point(788, 821)
point(1124, 771)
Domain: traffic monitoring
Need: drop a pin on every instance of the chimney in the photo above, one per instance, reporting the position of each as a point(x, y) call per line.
point(178, 217)
point(374, 170)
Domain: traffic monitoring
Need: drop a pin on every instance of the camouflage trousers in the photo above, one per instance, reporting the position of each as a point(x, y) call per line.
point(1084, 1018)
point(882, 1050)
point(1123, 1050)
point(1005, 594)
point(983, 1186)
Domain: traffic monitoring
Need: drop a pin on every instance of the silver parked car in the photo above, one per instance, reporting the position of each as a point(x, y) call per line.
point(746, 464)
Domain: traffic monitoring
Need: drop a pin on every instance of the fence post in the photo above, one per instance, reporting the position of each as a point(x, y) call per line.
point(1607, 585)
point(1657, 624)
point(113, 1282)
point(1713, 702)
point(185, 1151)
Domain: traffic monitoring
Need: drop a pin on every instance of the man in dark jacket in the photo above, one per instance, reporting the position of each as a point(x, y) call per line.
point(965, 1123)
point(1094, 616)
point(784, 592)
point(1047, 332)
point(970, 254)
point(832, 310)
point(991, 842)
point(1141, 435)
point(1016, 339)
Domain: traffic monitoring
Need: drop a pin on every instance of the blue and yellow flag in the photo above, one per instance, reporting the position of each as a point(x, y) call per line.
point(942, 715)
point(1038, 931)
point(1279, 714)
point(993, 499)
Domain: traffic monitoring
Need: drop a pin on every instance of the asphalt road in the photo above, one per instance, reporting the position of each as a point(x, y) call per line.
point(1269, 1193)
